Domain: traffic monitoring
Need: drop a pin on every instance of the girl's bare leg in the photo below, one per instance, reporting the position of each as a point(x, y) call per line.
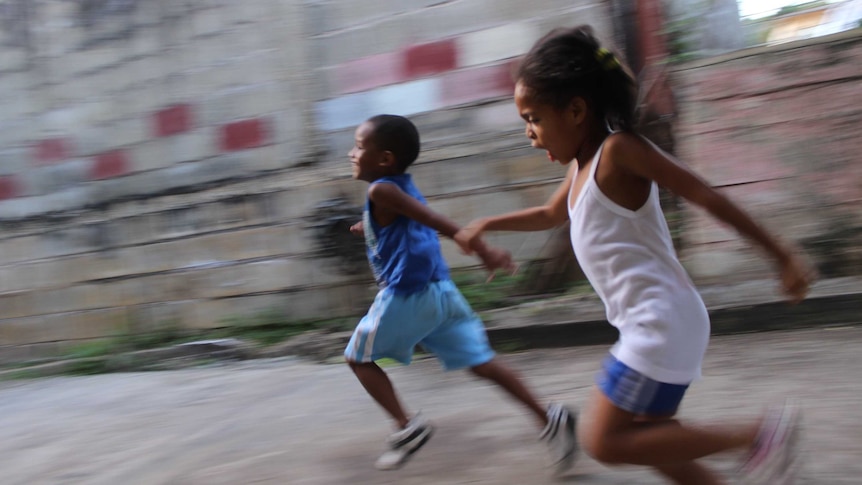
point(614, 436)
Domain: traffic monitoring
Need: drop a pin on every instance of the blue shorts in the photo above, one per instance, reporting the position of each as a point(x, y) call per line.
point(636, 393)
point(438, 318)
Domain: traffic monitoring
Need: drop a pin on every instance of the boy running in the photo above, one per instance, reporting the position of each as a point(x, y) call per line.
point(417, 303)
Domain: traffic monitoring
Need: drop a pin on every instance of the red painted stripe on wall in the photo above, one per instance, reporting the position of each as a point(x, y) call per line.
point(110, 164)
point(240, 135)
point(432, 58)
point(369, 73)
point(51, 150)
point(476, 84)
point(173, 120)
point(9, 187)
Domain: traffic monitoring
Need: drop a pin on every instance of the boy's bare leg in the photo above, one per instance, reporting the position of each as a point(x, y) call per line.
point(379, 387)
point(504, 377)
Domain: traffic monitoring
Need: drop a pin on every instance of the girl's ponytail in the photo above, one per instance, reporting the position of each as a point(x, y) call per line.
point(620, 92)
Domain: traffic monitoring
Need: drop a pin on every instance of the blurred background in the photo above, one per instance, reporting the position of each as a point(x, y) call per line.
point(174, 168)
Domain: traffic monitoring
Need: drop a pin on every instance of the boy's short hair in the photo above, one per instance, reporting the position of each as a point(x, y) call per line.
point(398, 135)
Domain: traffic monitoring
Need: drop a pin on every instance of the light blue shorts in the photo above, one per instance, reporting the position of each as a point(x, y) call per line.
point(437, 318)
point(636, 393)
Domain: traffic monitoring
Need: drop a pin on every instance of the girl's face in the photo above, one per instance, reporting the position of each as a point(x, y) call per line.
point(549, 128)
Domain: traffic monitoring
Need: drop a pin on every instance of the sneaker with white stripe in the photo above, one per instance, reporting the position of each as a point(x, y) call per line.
point(774, 458)
point(561, 437)
point(404, 443)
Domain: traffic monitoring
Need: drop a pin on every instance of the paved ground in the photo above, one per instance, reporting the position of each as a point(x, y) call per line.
point(288, 422)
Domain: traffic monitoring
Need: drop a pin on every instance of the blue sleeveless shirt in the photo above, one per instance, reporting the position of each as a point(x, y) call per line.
point(405, 255)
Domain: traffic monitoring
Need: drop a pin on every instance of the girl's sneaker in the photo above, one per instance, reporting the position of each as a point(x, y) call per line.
point(405, 442)
point(561, 437)
point(774, 458)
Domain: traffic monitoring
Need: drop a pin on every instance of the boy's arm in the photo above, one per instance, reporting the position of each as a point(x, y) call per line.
point(642, 158)
point(539, 218)
point(391, 199)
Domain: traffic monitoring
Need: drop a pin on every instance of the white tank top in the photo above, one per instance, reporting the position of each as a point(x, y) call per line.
point(629, 259)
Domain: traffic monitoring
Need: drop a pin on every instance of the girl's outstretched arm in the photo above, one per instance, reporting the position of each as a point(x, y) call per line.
point(640, 157)
point(539, 218)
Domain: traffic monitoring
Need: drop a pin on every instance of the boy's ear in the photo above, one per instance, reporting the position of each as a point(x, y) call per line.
point(388, 159)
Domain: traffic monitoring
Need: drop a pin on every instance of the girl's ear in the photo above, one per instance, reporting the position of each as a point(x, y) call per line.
point(578, 109)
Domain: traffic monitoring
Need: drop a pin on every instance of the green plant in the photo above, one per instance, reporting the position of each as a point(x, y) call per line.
point(580, 287)
point(510, 346)
point(681, 39)
point(21, 374)
point(486, 295)
point(97, 348)
point(272, 326)
point(90, 366)
point(166, 333)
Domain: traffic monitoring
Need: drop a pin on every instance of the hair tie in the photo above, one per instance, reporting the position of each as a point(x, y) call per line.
point(607, 59)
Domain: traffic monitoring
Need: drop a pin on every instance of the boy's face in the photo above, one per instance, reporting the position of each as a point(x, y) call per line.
point(549, 128)
point(368, 161)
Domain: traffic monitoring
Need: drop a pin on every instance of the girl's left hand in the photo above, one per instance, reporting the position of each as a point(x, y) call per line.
point(496, 258)
point(796, 277)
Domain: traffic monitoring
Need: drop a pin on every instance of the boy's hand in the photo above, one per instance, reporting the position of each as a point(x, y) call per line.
point(796, 277)
point(496, 258)
point(469, 236)
point(357, 229)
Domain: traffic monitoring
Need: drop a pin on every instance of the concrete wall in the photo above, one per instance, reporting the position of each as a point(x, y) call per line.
point(162, 161)
point(168, 161)
point(777, 130)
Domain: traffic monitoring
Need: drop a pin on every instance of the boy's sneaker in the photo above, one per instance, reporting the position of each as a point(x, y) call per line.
point(774, 458)
point(561, 437)
point(402, 444)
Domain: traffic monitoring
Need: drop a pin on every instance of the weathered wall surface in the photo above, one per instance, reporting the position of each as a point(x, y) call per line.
point(777, 129)
point(160, 160)
point(169, 161)
point(107, 108)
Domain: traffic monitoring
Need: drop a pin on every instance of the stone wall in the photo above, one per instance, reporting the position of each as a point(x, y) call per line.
point(162, 162)
point(176, 162)
point(776, 129)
